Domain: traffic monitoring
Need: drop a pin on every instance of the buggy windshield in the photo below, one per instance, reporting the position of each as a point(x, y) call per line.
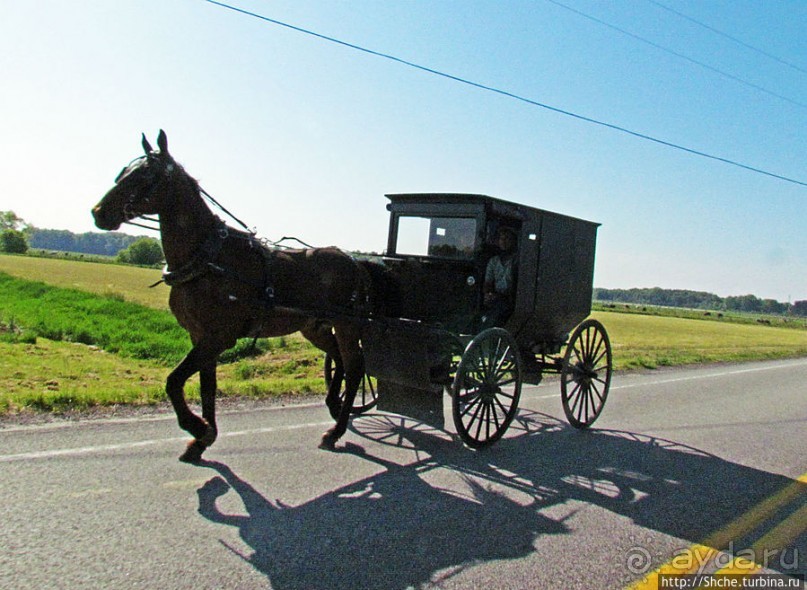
point(441, 237)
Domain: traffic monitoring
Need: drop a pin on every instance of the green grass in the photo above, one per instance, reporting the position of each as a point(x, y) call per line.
point(109, 322)
point(64, 348)
point(48, 376)
point(127, 283)
point(78, 335)
point(641, 341)
point(734, 317)
point(60, 376)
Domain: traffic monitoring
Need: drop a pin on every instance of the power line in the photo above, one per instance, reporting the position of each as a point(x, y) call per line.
point(730, 37)
point(679, 55)
point(507, 94)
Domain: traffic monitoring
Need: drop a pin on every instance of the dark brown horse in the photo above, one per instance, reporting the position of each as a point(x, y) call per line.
point(225, 285)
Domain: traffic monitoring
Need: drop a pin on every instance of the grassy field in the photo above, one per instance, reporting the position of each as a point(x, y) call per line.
point(62, 376)
point(640, 341)
point(74, 335)
point(129, 283)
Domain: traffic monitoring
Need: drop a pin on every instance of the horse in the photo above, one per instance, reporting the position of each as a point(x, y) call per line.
point(225, 285)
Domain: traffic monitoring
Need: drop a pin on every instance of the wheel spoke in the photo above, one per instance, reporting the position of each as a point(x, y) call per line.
point(586, 342)
point(505, 411)
point(578, 354)
point(478, 421)
point(468, 403)
point(505, 369)
point(596, 361)
point(597, 392)
point(596, 355)
point(501, 359)
point(475, 403)
point(587, 403)
point(574, 397)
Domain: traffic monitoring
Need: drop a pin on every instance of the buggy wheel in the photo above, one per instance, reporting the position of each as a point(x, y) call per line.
point(367, 394)
point(486, 388)
point(586, 374)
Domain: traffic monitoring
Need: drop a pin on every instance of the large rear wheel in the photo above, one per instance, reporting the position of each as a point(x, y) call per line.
point(586, 374)
point(486, 388)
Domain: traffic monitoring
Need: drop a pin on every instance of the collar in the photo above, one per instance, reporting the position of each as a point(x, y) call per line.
point(200, 263)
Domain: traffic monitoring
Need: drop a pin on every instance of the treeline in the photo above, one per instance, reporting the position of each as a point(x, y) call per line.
point(104, 244)
point(700, 300)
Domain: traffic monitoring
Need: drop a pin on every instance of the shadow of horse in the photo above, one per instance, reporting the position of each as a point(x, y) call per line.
point(397, 529)
point(391, 531)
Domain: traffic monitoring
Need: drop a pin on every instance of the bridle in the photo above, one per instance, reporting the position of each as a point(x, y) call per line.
point(155, 175)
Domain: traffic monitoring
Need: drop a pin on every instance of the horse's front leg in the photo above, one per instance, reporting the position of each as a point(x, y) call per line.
point(202, 431)
point(207, 383)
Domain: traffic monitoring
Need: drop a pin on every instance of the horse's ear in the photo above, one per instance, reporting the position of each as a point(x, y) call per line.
point(146, 145)
point(162, 142)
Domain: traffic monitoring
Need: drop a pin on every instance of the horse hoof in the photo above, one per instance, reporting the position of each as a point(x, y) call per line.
point(193, 454)
point(328, 442)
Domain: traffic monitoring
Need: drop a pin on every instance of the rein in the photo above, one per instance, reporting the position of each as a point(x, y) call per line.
point(204, 261)
point(207, 195)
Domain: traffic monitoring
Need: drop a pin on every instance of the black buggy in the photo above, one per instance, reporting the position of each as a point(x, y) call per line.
point(431, 335)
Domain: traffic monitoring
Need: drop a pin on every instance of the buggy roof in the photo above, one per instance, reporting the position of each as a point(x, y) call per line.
point(472, 201)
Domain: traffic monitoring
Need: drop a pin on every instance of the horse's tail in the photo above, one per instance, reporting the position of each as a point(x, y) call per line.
point(384, 292)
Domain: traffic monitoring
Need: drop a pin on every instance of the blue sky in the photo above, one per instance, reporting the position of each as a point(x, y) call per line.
point(302, 137)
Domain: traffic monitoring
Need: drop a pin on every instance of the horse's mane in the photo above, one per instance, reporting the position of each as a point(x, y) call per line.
point(190, 179)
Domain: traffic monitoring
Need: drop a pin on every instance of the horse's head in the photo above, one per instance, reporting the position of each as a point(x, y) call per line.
point(139, 188)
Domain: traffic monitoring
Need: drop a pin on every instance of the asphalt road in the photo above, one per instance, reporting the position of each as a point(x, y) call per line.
point(678, 457)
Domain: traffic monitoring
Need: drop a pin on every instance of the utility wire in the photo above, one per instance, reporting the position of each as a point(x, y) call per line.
point(508, 94)
point(679, 55)
point(730, 37)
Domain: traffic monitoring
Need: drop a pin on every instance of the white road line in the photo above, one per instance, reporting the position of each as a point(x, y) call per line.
point(729, 373)
point(52, 453)
point(48, 454)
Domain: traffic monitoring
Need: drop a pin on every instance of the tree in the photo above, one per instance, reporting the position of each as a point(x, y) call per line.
point(799, 308)
point(747, 303)
point(10, 220)
point(13, 241)
point(145, 251)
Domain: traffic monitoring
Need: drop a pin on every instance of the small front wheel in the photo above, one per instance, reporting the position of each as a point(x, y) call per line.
point(486, 388)
point(366, 395)
point(586, 374)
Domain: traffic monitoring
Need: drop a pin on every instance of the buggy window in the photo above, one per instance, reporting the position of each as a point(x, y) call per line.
point(443, 237)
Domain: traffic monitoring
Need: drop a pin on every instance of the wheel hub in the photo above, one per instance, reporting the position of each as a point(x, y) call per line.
point(488, 391)
point(583, 372)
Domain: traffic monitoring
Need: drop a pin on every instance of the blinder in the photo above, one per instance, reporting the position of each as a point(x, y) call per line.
point(155, 169)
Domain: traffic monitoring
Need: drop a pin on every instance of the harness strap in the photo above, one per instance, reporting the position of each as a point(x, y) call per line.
point(200, 263)
point(265, 287)
point(219, 205)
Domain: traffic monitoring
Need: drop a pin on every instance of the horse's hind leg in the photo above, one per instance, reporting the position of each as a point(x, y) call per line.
point(321, 335)
point(353, 360)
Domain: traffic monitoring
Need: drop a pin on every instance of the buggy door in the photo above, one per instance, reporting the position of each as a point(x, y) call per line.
point(435, 258)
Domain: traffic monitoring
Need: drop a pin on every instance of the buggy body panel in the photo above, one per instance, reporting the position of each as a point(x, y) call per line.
point(555, 263)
